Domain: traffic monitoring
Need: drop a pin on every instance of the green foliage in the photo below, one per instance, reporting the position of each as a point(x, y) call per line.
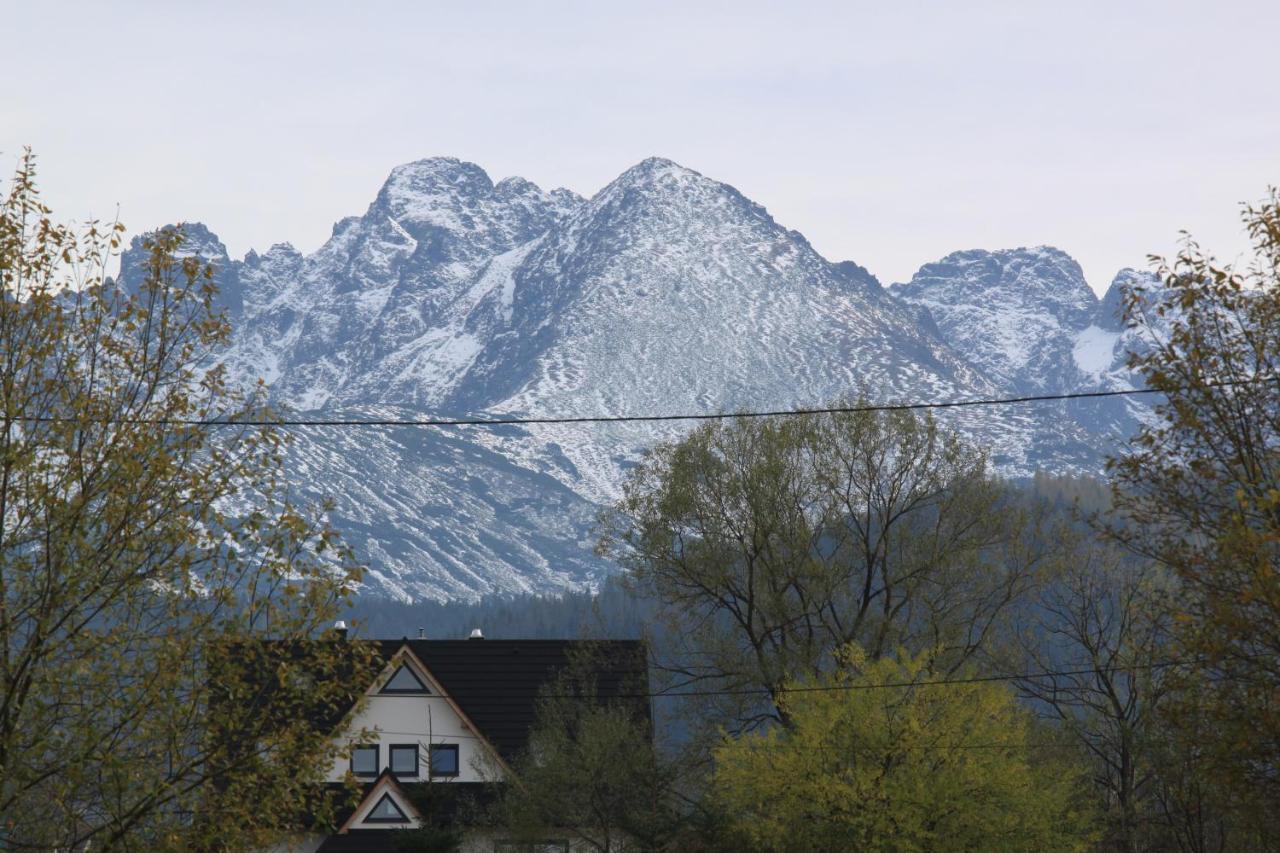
point(769, 544)
point(590, 771)
point(442, 810)
point(866, 766)
point(1094, 654)
point(1199, 490)
point(135, 551)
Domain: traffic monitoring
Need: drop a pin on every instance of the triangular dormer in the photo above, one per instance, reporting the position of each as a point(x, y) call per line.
point(404, 682)
point(386, 811)
point(385, 806)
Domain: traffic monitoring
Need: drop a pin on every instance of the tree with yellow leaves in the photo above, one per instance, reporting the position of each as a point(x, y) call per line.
point(1198, 489)
point(880, 756)
point(138, 546)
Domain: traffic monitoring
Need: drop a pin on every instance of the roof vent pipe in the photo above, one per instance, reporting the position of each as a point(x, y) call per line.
point(422, 633)
point(476, 634)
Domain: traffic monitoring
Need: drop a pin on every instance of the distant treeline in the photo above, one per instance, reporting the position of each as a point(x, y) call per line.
point(612, 611)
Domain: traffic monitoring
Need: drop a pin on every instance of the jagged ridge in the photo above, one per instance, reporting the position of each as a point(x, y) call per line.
point(665, 292)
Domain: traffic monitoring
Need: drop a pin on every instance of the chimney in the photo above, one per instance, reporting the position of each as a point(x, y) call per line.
point(476, 634)
point(340, 627)
point(422, 633)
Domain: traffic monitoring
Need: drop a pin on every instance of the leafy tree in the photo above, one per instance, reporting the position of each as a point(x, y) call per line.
point(868, 763)
point(1199, 489)
point(1094, 655)
point(136, 551)
point(590, 771)
point(771, 544)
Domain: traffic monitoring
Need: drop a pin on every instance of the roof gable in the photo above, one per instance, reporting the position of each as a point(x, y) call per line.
point(384, 805)
point(405, 656)
point(496, 683)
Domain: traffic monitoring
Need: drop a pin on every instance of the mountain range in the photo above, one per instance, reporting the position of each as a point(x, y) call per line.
point(666, 292)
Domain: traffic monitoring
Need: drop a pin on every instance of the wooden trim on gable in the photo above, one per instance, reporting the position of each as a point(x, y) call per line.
point(403, 654)
point(406, 653)
point(386, 784)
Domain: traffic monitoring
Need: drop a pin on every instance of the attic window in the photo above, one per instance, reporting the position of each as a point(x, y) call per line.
point(364, 760)
point(386, 811)
point(404, 759)
point(444, 759)
point(405, 683)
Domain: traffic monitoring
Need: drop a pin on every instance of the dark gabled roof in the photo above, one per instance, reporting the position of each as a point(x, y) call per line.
point(497, 682)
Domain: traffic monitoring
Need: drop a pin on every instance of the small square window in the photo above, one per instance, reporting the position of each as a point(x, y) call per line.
point(364, 760)
point(444, 759)
point(404, 759)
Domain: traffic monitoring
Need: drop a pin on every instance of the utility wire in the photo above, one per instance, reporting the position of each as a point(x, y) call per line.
point(446, 739)
point(607, 419)
point(615, 419)
point(940, 682)
point(825, 688)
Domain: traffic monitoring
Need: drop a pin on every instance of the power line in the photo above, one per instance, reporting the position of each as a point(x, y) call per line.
point(445, 739)
point(940, 682)
point(607, 419)
point(825, 688)
point(613, 419)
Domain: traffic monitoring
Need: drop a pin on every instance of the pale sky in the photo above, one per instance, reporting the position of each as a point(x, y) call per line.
point(889, 133)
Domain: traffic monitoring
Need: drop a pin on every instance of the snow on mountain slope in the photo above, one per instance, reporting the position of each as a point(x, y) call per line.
point(373, 299)
point(671, 292)
point(1012, 312)
point(1094, 350)
point(437, 515)
point(1028, 318)
point(670, 287)
point(667, 292)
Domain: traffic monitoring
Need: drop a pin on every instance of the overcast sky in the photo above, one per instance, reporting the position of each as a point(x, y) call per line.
point(889, 133)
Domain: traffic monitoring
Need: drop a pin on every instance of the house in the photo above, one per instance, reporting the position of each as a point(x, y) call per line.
point(445, 719)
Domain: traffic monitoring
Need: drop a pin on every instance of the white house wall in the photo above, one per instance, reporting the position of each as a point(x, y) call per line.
point(423, 720)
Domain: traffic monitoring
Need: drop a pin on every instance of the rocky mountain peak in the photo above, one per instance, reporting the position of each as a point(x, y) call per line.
point(1015, 312)
point(667, 291)
point(1111, 308)
point(435, 192)
point(197, 242)
point(673, 216)
point(659, 182)
point(1043, 276)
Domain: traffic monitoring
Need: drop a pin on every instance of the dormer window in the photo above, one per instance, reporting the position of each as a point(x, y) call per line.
point(364, 760)
point(405, 682)
point(386, 811)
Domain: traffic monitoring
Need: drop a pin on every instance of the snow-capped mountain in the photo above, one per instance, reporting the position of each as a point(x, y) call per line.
point(1028, 320)
point(666, 292)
